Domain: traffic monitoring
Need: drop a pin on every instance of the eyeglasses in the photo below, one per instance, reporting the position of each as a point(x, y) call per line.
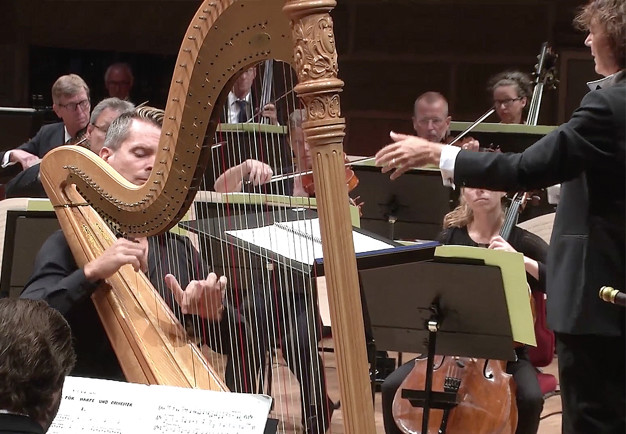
point(505, 102)
point(425, 121)
point(104, 129)
point(84, 104)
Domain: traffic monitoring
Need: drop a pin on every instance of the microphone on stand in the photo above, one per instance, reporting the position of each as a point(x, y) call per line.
point(612, 295)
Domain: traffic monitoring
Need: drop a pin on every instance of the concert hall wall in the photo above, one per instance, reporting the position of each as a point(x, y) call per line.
point(390, 51)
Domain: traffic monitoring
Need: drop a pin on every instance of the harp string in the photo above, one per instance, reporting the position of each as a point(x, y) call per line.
point(272, 304)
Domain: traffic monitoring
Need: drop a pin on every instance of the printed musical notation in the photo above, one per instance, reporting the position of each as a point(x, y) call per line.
point(112, 407)
point(301, 240)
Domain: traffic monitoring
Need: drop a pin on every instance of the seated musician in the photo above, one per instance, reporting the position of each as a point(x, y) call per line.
point(70, 97)
point(36, 355)
point(130, 148)
point(477, 222)
point(431, 119)
point(510, 91)
point(27, 182)
point(240, 106)
point(295, 310)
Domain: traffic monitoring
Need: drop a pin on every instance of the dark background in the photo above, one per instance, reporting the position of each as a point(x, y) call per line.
point(390, 52)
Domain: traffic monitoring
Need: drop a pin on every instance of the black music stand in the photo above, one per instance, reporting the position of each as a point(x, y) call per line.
point(411, 207)
point(446, 306)
point(508, 137)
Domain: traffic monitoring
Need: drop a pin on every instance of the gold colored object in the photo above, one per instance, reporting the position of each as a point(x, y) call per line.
point(608, 294)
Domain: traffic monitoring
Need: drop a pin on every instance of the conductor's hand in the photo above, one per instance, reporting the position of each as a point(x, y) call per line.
point(26, 159)
point(499, 243)
point(122, 252)
point(201, 297)
point(258, 173)
point(405, 153)
point(269, 111)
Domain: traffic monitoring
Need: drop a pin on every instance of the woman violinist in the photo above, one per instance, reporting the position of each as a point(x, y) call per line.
point(477, 222)
point(510, 91)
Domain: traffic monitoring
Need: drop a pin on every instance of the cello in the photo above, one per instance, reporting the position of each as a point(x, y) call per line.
point(485, 393)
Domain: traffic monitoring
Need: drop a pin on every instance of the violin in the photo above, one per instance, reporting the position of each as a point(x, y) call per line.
point(81, 139)
point(352, 181)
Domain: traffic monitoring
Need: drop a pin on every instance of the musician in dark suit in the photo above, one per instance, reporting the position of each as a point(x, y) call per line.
point(36, 355)
point(27, 182)
point(587, 249)
point(70, 97)
point(130, 148)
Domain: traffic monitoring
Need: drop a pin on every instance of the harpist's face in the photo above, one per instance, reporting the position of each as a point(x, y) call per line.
point(134, 158)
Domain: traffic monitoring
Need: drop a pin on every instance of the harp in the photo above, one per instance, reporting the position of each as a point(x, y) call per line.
point(223, 38)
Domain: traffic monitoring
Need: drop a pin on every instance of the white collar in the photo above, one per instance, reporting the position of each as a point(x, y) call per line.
point(232, 98)
point(66, 136)
point(605, 82)
point(2, 411)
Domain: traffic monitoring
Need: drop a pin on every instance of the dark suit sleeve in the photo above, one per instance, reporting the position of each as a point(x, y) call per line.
point(26, 184)
point(533, 247)
point(56, 277)
point(581, 144)
point(34, 144)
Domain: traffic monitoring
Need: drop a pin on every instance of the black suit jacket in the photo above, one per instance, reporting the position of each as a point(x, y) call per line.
point(18, 424)
point(48, 137)
point(25, 184)
point(587, 249)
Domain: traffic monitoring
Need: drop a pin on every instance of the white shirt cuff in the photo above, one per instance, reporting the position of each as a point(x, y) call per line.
point(446, 164)
point(5, 160)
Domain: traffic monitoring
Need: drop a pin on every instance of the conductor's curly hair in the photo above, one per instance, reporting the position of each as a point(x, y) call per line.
point(610, 15)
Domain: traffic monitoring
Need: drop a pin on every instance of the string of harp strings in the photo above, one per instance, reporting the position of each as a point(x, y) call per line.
point(270, 316)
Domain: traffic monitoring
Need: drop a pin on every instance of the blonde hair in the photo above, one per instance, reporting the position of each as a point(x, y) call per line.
point(462, 215)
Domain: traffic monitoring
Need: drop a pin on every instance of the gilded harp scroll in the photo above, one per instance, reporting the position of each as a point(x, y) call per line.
point(224, 38)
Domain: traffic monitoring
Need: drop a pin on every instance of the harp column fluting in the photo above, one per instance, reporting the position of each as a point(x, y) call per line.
point(315, 60)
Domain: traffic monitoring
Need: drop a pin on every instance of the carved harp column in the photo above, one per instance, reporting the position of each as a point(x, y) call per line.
point(315, 61)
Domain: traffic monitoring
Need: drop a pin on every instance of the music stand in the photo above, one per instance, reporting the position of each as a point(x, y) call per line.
point(509, 137)
point(453, 307)
point(411, 207)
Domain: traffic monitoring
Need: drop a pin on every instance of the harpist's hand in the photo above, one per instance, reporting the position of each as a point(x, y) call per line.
point(201, 297)
point(122, 252)
point(405, 153)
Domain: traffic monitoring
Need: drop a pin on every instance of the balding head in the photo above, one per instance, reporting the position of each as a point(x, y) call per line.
point(430, 116)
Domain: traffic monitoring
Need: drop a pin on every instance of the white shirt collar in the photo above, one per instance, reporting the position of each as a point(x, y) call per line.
point(605, 82)
point(66, 136)
point(233, 109)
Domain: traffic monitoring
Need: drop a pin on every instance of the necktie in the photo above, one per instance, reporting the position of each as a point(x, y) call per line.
point(243, 111)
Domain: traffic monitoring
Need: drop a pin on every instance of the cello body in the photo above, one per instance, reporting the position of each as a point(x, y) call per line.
point(485, 397)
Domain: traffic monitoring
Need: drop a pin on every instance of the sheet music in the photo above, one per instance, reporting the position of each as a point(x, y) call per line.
point(112, 407)
point(301, 240)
